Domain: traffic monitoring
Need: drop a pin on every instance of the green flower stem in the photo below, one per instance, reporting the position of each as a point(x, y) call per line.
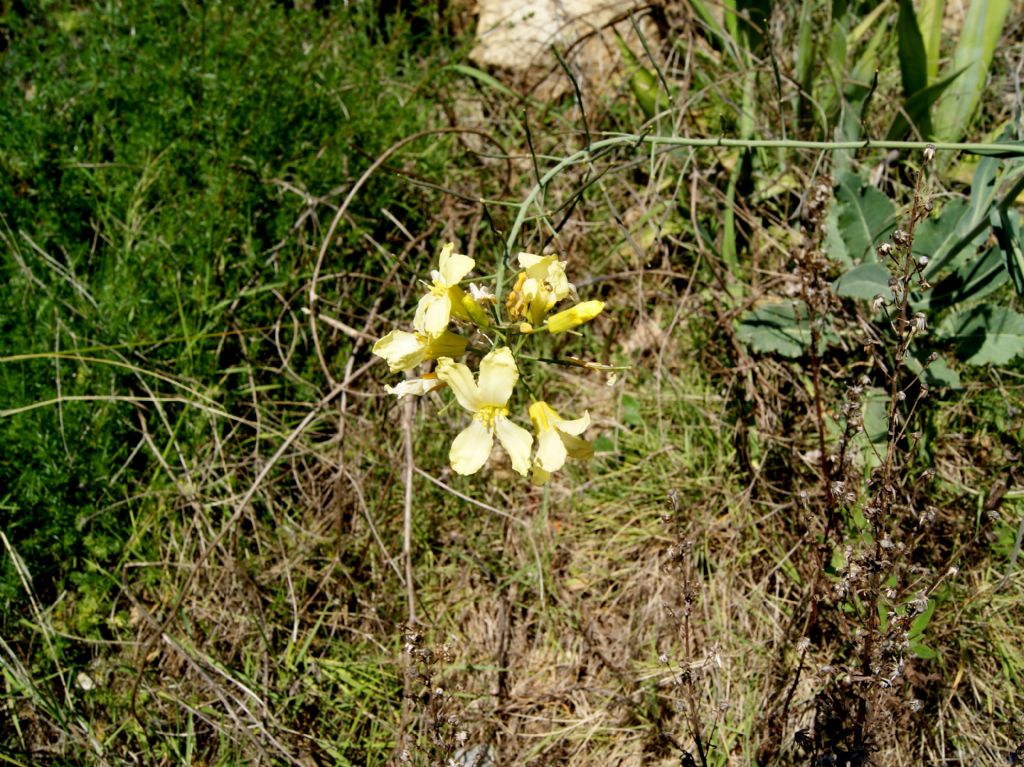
point(631, 139)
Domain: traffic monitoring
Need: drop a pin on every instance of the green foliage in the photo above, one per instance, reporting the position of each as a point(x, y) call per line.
point(913, 60)
point(861, 218)
point(865, 281)
point(985, 334)
point(168, 171)
point(148, 203)
point(642, 81)
point(779, 328)
point(975, 49)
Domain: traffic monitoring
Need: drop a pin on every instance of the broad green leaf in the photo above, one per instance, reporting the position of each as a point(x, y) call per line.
point(917, 629)
point(865, 218)
point(875, 416)
point(971, 280)
point(979, 37)
point(936, 375)
point(973, 224)
point(985, 335)
point(921, 621)
point(865, 281)
point(935, 236)
point(834, 245)
point(923, 651)
point(775, 328)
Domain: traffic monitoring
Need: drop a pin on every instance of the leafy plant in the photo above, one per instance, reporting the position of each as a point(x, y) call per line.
point(957, 266)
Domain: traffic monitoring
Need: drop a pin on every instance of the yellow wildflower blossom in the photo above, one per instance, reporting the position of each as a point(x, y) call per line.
point(557, 439)
point(404, 351)
point(488, 402)
point(540, 286)
point(444, 299)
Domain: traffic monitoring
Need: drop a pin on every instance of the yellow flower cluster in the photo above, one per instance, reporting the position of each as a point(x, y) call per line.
point(539, 286)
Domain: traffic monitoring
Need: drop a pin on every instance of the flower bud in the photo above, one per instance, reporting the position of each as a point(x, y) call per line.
point(476, 312)
point(574, 317)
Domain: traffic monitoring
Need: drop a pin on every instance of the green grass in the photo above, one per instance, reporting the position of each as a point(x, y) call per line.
point(202, 556)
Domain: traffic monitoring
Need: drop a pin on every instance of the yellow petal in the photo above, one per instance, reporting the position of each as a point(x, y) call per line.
point(526, 260)
point(458, 377)
point(498, 376)
point(574, 317)
point(471, 448)
point(551, 452)
point(576, 426)
point(549, 272)
point(517, 442)
point(403, 351)
point(453, 266)
point(415, 387)
point(543, 416)
point(539, 301)
point(432, 314)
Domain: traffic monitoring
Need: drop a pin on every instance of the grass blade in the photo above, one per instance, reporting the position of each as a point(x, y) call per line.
point(913, 64)
point(978, 40)
point(929, 21)
point(484, 79)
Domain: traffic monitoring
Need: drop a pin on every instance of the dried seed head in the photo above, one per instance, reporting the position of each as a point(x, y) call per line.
point(929, 153)
point(885, 249)
point(900, 237)
point(878, 303)
point(919, 322)
point(922, 261)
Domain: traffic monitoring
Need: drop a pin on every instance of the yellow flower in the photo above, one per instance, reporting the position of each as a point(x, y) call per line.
point(540, 286)
point(574, 316)
point(557, 439)
point(445, 297)
point(404, 351)
point(415, 387)
point(488, 402)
